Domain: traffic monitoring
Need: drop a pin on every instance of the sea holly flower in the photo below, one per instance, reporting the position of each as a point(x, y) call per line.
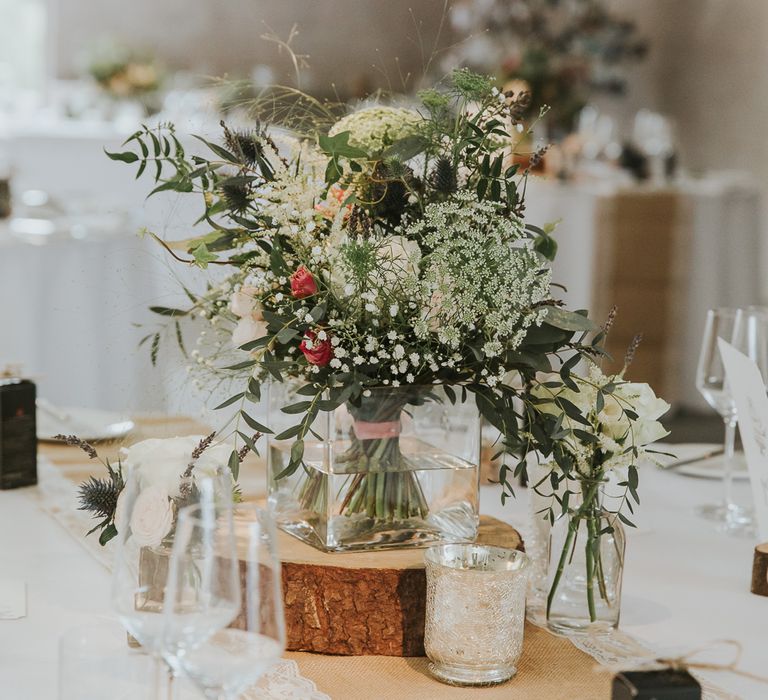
point(318, 352)
point(303, 283)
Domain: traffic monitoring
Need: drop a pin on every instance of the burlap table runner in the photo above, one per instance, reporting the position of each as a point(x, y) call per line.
point(551, 667)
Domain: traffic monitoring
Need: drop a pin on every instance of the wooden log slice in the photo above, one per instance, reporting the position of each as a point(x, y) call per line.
point(760, 570)
point(362, 603)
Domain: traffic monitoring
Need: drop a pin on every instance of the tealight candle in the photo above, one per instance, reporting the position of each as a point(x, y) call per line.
point(475, 612)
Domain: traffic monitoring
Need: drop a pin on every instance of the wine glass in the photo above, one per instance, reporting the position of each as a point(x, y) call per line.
point(146, 521)
point(232, 659)
point(727, 324)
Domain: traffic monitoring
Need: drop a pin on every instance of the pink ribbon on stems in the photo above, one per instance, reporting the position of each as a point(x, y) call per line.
point(376, 431)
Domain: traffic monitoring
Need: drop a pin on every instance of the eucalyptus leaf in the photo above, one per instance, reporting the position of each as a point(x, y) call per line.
point(568, 320)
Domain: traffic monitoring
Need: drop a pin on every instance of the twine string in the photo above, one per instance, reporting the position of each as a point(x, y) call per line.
point(685, 662)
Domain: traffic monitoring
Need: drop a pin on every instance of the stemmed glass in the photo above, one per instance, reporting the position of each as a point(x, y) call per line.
point(146, 521)
point(728, 324)
point(224, 664)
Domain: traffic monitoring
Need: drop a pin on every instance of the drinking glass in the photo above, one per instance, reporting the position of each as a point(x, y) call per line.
point(473, 632)
point(711, 383)
point(223, 664)
point(146, 521)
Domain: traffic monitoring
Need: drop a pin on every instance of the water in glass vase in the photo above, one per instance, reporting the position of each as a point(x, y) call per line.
point(585, 574)
point(426, 496)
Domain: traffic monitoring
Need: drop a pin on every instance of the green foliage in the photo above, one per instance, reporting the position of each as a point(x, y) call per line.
point(99, 498)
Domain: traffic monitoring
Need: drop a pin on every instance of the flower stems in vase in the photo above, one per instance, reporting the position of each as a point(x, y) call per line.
point(382, 482)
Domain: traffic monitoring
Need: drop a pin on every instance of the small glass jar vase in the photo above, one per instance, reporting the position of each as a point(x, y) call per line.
point(398, 469)
point(475, 616)
point(586, 568)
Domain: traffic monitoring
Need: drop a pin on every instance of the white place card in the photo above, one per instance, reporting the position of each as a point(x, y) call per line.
point(13, 599)
point(749, 394)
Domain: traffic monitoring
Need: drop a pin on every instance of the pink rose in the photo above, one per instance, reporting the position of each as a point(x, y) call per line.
point(243, 302)
point(302, 283)
point(317, 352)
point(152, 517)
point(247, 330)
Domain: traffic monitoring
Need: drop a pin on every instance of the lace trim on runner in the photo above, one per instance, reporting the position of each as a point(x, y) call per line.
point(57, 496)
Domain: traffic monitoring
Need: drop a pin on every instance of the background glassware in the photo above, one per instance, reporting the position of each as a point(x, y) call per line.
point(710, 381)
point(475, 617)
point(653, 134)
point(140, 570)
point(224, 664)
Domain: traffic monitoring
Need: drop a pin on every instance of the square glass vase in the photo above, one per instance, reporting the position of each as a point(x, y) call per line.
point(399, 469)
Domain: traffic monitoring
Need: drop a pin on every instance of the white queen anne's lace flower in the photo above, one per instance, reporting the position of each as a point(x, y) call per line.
point(479, 273)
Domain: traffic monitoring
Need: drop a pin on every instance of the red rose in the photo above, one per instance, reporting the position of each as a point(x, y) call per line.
point(321, 352)
point(302, 283)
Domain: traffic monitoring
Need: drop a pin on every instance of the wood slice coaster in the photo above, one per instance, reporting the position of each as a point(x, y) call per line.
point(760, 570)
point(362, 603)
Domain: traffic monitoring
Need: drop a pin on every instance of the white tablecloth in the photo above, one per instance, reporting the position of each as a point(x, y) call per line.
point(684, 586)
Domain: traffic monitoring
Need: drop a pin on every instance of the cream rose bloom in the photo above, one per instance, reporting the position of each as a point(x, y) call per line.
point(162, 462)
point(152, 517)
point(243, 302)
point(614, 423)
point(399, 259)
point(247, 330)
point(246, 307)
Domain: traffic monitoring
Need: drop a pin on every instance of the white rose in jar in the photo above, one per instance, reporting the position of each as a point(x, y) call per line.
point(152, 517)
point(162, 462)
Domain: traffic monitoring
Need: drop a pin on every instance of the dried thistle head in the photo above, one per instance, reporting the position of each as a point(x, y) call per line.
point(236, 194)
point(245, 144)
point(443, 177)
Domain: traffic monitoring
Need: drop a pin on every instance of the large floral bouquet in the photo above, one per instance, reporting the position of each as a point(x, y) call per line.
point(385, 249)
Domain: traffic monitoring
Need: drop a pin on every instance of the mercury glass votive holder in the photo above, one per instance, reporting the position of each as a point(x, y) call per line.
point(475, 612)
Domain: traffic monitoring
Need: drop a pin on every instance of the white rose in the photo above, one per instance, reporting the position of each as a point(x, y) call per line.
point(243, 302)
point(612, 418)
point(247, 330)
point(152, 517)
point(120, 515)
point(648, 432)
point(161, 462)
point(647, 405)
point(399, 258)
